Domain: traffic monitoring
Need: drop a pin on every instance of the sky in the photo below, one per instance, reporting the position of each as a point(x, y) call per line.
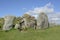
point(33, 7)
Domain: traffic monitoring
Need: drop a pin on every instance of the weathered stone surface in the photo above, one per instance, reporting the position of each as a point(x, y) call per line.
point(17, 26)
point(27, 21)
point(8, 22)
point(30, 23)
point(42, 21)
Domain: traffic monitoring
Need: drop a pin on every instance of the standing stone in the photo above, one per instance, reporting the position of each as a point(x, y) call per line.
point(42, 21)
point(8, 22)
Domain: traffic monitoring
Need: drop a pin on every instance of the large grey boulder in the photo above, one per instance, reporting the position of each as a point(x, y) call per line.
point(42, 21)
point(8, 22)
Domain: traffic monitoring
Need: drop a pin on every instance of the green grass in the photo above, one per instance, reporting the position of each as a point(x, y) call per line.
point(48, 34)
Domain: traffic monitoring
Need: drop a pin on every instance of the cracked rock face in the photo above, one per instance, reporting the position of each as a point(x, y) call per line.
point(17, 26)
point(42, 21)
point(8, 22)
point(30, 23)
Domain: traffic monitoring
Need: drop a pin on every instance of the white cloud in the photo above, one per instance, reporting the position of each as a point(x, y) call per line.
point(55, 18)
point(24, 8)
point(54, 15)
point(48, 8)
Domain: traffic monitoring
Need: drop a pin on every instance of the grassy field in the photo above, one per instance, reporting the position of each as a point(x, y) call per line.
point(48, 34)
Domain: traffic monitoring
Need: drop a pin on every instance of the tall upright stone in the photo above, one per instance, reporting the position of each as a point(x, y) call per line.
point(42, 21)
point(8, 22)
